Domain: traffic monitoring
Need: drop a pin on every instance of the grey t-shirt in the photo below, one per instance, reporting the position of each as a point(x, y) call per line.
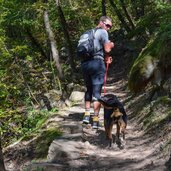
point(100, 38)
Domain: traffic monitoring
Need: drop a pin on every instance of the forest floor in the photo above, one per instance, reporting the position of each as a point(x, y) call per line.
point(83, 149)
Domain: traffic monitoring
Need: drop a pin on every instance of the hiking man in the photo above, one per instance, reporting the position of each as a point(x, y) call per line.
point(93, 69)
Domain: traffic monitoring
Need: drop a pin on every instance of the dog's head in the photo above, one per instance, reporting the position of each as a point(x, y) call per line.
point(109, 101)
point(112, 106)
point(116, 113)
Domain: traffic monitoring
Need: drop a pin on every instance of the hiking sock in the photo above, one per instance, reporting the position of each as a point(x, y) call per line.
point(86, 118)
point(95, 121)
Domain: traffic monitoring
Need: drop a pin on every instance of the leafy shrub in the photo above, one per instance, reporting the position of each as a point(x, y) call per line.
point(16, 124)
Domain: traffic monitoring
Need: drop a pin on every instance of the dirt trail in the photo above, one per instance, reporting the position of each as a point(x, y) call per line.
point(82, 148)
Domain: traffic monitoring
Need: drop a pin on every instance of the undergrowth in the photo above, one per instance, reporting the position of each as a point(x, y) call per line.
point(159, 114)
point(18, 124)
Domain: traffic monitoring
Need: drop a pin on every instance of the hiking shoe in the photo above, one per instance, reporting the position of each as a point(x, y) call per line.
point(86, 118)
point(95, 122)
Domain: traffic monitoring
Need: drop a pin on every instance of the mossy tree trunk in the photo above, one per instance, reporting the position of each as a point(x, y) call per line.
point(55, 53)
point(121, 18)
point(66, 35)
point(127, 14)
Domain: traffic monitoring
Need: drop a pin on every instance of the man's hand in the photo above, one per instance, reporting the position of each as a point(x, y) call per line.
point(108, 59)
point(112, 44)
point(108, 46)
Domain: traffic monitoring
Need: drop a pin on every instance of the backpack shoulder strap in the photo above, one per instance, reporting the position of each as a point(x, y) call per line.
point(93, 32)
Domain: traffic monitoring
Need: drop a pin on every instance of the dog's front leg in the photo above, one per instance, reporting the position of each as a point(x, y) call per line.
point(118, 132)
point(110, 134)
point(123, 128)
point(106, 129)
point(121, 131)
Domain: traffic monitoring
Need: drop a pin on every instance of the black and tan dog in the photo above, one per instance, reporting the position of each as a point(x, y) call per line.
point(114, 113)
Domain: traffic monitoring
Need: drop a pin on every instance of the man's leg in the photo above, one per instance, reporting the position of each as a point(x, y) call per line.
point(87, 105)
point(88, 99)
point(96, 105)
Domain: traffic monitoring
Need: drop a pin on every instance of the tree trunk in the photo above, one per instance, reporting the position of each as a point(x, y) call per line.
point(54, 50)
point(2, 166)
point(135, 9)
point(104, 7)
point(37, 45)
point(66, 35)
point(121, 18)
point(142, 7)
point(126, 13)
point(138, 8)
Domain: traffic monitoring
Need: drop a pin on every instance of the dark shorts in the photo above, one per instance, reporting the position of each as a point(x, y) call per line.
point(93, 71)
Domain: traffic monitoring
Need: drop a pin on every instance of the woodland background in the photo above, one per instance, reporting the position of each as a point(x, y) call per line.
point(38, 40)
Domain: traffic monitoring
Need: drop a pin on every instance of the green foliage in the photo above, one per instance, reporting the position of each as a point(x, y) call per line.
point(35, 119)
point(21, 123)
point(154, 20)
point(26, 73)
point(19, 13)
point(21, 78)
point(162, 100)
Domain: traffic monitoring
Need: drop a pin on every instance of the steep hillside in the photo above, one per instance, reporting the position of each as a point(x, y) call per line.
point(81, 148)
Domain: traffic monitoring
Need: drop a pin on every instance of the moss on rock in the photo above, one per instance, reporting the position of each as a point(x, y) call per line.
point(156, 56)
point(43, 141)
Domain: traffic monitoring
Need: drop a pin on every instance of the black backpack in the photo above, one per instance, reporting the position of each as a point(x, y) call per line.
point(85, 47)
